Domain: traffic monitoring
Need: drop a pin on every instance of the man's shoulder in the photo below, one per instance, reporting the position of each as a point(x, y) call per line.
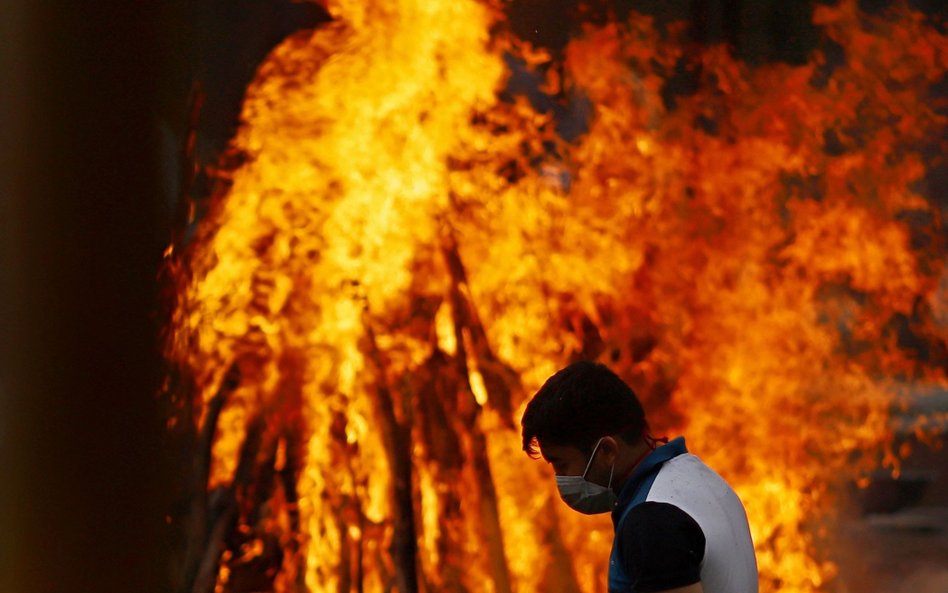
point(690, 468)
point(688, 482)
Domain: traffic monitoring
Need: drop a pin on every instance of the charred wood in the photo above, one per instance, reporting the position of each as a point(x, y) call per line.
point(226, 511)
point(501, 381)
point(466, 322)
point(397, 440)
point(199, 528)
point(444, 452)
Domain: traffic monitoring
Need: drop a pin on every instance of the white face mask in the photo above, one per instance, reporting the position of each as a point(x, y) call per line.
point(585, 496)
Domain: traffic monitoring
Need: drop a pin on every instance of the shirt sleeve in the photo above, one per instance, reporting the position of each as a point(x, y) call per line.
point(660, 547)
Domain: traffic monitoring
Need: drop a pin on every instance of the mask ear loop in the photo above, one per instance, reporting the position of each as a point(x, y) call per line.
point(591, 457)
point(589, 463)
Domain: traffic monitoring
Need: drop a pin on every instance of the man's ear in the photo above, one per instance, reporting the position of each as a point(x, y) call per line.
point(609, 448)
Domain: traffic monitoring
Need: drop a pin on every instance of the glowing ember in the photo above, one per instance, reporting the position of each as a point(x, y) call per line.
point(402, 258)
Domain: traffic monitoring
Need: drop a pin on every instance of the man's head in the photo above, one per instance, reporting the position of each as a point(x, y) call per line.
point(575, 408)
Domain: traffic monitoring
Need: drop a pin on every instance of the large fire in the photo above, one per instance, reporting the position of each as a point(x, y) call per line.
point(409, 248)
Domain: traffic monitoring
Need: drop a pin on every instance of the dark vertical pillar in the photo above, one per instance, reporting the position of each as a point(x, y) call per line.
point(81, 233)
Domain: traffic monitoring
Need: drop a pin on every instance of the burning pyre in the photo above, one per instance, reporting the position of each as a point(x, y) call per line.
point(409, 246)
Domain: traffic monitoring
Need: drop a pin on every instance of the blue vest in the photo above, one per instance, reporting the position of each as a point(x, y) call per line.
point(634, 492)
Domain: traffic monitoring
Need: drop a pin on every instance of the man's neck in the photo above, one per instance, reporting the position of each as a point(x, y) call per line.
point(629, 458)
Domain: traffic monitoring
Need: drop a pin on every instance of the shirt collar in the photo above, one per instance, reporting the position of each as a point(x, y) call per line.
point(647, 466)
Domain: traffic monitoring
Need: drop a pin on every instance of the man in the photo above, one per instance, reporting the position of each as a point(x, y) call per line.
point(679, 527)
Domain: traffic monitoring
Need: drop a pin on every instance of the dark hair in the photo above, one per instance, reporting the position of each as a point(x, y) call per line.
point(578, 405)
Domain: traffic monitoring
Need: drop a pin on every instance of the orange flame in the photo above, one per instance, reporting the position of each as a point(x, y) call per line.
point(403, 258)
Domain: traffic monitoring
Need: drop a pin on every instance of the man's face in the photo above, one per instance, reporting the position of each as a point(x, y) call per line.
point(565, 459)
point(568, 460)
